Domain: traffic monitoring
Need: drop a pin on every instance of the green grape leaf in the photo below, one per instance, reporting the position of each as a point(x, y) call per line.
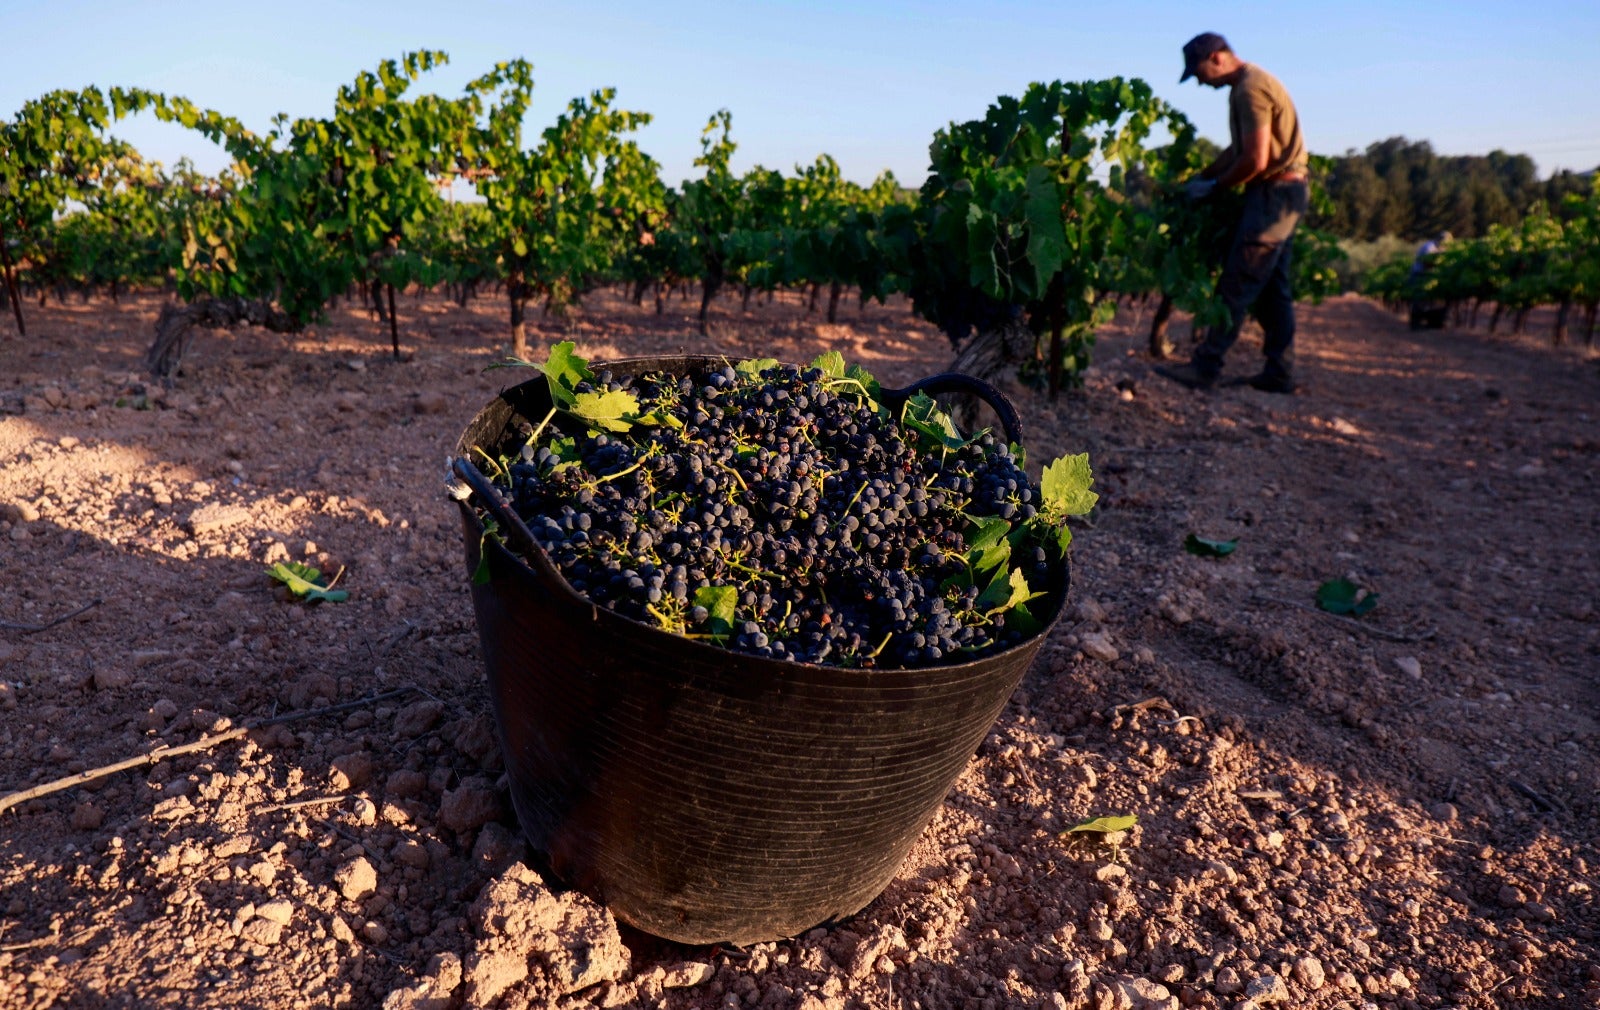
point(481, 575)
point(987, 531)
point(1020, 619)
point(935, 428)
point(1065, 486)
point(1341, 596)
point(1104, 825)
point(719, 602)
point(1201, 547)
point(565, 449)
point(830, 363)
point(612, 411)
point(307, 582)
point(861, 375)
point(564, 370)
point(1008, 589)
point(753, 367)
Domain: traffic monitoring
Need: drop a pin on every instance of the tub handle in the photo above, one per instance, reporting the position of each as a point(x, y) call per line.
point(960, 382)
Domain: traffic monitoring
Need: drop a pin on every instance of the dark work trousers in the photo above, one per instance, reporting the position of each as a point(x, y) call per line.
point(1257, 273)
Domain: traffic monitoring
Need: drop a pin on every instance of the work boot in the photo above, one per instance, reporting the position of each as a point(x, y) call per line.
point(1188, 374)
point(1269, 383)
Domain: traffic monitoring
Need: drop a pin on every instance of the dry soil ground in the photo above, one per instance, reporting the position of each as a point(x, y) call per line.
point(1398, 811)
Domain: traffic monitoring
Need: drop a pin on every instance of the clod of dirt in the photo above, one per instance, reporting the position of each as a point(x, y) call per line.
point(540, 942)
point(1267, 989)
point(417, 718)
point(356, 879)
point(1098, 645)
point(468, 807)
point(434, 991)
point(1308, 973)
point(350, 771)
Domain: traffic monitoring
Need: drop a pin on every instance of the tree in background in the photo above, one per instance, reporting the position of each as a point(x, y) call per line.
point(52, 153)
point(552, 223)
point(1025, 223)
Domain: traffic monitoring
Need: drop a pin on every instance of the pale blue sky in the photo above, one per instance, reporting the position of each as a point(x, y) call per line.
point(866, 81)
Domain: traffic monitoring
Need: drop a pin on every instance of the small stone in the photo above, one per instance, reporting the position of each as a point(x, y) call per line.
point(68, 442)
point(341, 930)
point(86, 817)
point(1177, 614)
point(1267, 989)
point(216, 516)
point(279, 910)
point(687, 975)
point(1223, 870)
point(1308, 973)
point(1512, 896)
point(111, 678)
point(417, 718)
point(20, 512)
point(356, 364)
point(375, 932)
point(1141, 994)
point(1110, 871)
point(1398, 981)
point(262, 931)
point(469, 807)
point(406, 783)
point(1445, 812)
point(1089, 609)
point(495, 846)
point(430, 402)
point(350, 771)
point(53, 396)
point(1227, 983)
point(1347, 981)
point(1409, 666)
point(1099, 929)
point(412, 853)
point(1097, 645)
point(356, 879)
point(365, 811)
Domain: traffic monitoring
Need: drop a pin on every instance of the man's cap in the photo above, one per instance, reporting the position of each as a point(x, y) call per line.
point(1198, 48)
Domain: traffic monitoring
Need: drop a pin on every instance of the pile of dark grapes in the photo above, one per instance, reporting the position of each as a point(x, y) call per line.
point(835, 536)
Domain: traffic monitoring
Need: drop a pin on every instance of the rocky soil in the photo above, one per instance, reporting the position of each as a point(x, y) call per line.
point(1395, 811)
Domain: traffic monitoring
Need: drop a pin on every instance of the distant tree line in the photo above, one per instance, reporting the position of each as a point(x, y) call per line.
point(1401, 187)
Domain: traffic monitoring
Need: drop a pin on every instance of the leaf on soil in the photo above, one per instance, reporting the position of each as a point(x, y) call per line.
point(1204, 548)
point(307, 582)
point(1104, 825)
point(1341, 596)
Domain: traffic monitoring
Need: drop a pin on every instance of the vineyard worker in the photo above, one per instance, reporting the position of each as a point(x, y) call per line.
point(1427, 251)
point(1267, 156)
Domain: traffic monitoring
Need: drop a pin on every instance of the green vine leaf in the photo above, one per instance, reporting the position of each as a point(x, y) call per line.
point(1204, 548)
point(307, 583)
point(1341, 596)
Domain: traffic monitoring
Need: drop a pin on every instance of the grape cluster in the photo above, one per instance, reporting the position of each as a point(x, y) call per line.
point(835, 536)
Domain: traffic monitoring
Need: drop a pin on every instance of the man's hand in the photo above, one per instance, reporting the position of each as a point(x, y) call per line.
point(1199, 189)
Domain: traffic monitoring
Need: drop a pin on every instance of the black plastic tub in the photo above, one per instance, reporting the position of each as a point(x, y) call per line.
point(706, 795)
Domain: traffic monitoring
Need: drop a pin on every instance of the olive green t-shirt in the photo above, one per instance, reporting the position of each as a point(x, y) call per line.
point(1258, 101)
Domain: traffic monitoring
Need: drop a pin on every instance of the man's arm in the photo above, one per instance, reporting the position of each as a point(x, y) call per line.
point(1250, 162)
